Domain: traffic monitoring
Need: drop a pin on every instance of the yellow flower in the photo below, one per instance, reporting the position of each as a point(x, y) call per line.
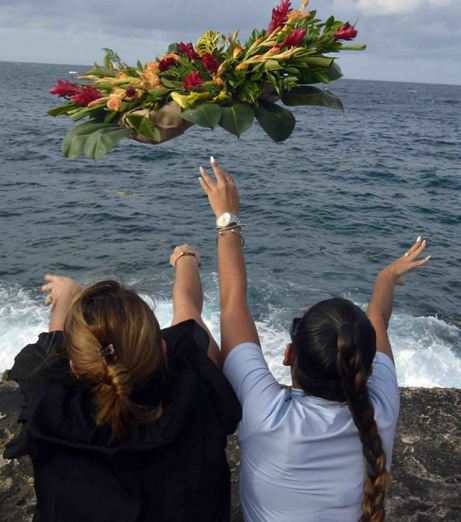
point(237, 51)
point(115, 100)
point(189, 100)
point(222, 97)
point(98, 101)
point(152, 67)
point(150, 80)
point(114, 103)
point(219, 82)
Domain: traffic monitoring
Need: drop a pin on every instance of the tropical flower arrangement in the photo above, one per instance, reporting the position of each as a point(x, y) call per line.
point(217, 81)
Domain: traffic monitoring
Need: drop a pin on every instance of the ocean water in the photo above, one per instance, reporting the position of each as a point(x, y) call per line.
point(324, 211)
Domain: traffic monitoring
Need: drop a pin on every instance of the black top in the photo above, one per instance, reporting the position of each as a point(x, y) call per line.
point(171, 470)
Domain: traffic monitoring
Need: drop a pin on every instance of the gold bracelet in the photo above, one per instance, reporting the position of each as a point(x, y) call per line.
point(234, 231)
point(187, 254)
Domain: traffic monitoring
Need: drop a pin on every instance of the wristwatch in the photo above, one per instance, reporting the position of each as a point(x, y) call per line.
point(226, 220)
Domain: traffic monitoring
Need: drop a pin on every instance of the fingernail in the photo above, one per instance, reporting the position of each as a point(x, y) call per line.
point(212, 160)
point(200, 179)
point(424, 242)
point(418, 239)
point(428, 257)
point(201, 169)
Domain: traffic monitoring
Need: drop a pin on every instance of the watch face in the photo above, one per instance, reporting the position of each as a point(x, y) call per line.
point(224, 219)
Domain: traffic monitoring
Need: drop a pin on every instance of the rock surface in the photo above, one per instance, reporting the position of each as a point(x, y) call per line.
point(426, 474)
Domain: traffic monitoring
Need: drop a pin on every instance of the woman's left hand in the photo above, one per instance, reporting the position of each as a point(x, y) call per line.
point(60, 289)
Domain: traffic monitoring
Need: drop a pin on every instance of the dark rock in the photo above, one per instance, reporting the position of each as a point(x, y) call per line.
point(426, 472)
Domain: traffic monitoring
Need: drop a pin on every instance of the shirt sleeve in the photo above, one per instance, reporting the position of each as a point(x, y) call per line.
point(384, 389)
point(257, 389)
point(34, 367)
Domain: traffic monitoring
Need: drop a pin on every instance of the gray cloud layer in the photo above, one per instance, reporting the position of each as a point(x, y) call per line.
point(421, 44)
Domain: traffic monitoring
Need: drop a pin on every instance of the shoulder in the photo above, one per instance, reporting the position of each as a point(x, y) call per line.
point(185, 335)
point(187, 351)
point(32, 358)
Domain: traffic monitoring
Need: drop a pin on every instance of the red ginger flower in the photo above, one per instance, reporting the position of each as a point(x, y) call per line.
point(193, 79)
point(188, 50)
point(210, 63)
point(86, 95)
point(130, 92)
point(64, 88)
point(166, 63)
point(295, 38)
point(346, 32)
point(279, 15)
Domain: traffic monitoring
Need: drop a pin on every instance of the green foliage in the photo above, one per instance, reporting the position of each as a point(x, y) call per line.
point(104, 137)
point(206, 115)
point(144, 127)
point(237, 118)
point(309, 95)
point(61, 109)
point(112, 58)
point(277, 121)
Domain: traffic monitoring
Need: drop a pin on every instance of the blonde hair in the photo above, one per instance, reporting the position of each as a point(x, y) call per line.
point(108, 314)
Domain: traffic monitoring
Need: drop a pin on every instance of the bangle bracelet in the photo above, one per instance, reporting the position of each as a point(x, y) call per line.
point(187, 254)
point(233, 230)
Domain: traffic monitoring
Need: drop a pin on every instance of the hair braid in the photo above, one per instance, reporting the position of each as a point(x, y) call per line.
point(353, 376)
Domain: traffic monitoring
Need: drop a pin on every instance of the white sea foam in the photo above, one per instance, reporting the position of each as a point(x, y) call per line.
point(427, 349)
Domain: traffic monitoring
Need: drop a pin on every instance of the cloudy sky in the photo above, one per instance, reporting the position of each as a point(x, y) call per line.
point(408, 40)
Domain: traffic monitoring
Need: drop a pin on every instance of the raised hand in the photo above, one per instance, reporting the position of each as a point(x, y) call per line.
point(410, 260)
point(222, 193)
point(59, 289)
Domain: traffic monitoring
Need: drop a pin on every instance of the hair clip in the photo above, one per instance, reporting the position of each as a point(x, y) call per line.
point(108, 353)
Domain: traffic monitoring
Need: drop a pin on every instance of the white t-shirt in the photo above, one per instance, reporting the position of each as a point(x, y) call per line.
point(301, 457)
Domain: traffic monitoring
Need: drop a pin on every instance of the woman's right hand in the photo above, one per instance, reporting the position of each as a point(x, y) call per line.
point(222, 193)
point(410, 260)
point(60, 290)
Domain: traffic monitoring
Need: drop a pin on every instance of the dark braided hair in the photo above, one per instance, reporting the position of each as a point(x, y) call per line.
point(335, 345)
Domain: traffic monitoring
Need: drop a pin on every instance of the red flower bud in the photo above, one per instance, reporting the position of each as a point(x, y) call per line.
point(130, 91)
point(188, 50)
point(279, 15)
point(210, 63)
point(193, 79)
point(295, 38)
point(346, 32)
point(64, 88)
point(86, 95)
point(166, 63)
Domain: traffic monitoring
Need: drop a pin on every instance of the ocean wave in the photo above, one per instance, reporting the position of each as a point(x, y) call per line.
point(426, 348)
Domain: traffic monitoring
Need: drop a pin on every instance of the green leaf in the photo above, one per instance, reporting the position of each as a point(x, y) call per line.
point(334, 72)
point(61, 109)
point(172, 84)
point(81, 130)
point(237, 118)
point(99, 143)
point(278, 122)
point(309, 95)
point(318, 61)
point(144, 126)
point(158, 92)
point(206, 115)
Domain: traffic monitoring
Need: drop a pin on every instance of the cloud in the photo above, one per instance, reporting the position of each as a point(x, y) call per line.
point(390, 7)
point(395, 31)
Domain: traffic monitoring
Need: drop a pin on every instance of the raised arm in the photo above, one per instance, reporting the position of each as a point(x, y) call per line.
point(382, 299)
point(61, 291)
point(237, 324)
point(188, 294)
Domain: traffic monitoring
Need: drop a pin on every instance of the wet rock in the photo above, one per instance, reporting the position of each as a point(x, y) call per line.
point(426, 472)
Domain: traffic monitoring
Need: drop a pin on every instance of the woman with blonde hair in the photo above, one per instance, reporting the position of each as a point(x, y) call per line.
point(126, 422)
point(320, 451)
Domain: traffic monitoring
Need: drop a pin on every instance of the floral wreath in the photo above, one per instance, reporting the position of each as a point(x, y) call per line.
point(217, 81)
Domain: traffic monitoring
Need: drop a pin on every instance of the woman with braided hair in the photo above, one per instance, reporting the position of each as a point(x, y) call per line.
point(126, 422)
point(320, 451)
